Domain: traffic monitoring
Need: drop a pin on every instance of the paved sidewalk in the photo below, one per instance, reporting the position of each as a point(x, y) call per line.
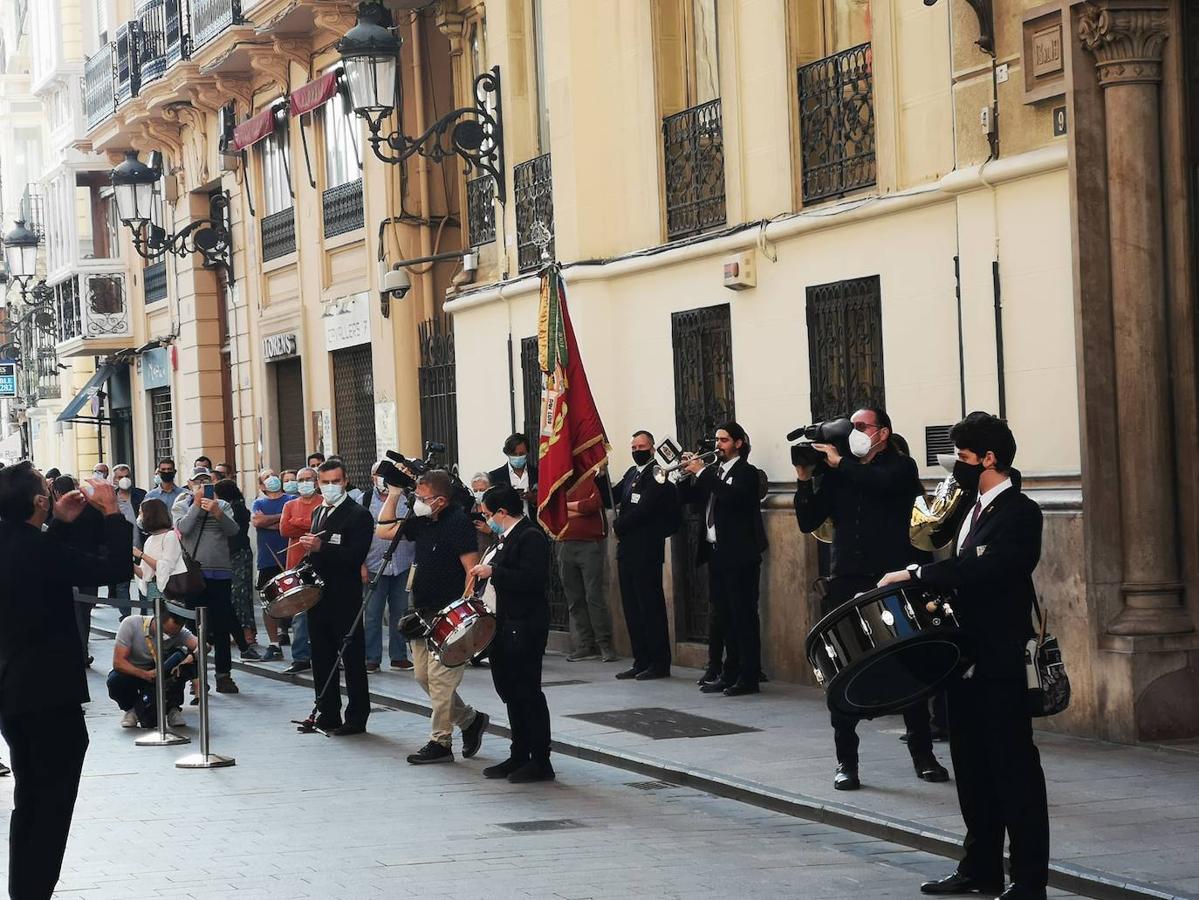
point(1119, 814)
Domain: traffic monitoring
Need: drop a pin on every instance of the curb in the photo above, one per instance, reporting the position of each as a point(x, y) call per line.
point(1075, 879)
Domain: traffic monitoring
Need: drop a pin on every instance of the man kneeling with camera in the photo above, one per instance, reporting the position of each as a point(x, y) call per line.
point(866, 489)
point(131, 681)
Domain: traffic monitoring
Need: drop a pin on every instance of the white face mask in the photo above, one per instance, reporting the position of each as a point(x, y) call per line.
point(307, 488)
point(380, 484)
point(479, 496)
point(332, 492)
point(125, 483)
point(860, 444)
point(421, 508)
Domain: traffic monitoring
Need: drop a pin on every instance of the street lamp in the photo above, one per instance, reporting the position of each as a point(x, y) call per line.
point(370, 54)
point(134, 184)
point(20, 253)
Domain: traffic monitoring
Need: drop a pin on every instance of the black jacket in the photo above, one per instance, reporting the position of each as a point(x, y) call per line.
point(740, 532)
point(500, 476)
point(520, 572)
point(993, 579)
point(870, 505)
point(348, 531)
point(41, 656)
point(647, 512)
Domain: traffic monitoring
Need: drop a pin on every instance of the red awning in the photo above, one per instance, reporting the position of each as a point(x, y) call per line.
point(253, 130)
point(313, 94)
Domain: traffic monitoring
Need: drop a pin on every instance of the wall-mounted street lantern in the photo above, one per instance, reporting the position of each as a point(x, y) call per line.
point(135, 186)
point(370, 56)
point(20, 255)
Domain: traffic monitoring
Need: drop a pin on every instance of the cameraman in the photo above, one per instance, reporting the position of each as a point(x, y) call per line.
point(868, 496)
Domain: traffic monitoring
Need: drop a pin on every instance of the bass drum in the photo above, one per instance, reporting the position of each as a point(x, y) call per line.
point(292, 592)
point(886, 649)
point(460, 631)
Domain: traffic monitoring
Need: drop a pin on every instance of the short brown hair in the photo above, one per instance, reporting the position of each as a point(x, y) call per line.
point(439, 481)
point(155, 516)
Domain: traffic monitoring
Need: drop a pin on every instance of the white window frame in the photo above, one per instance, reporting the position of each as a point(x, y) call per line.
point(274, 162)
point(339, 128)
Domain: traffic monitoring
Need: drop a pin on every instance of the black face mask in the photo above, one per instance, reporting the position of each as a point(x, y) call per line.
point(641, 457)
point(167, 477)
point(967, 475)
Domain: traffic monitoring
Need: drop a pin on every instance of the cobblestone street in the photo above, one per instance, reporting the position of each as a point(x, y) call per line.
point(308, 816)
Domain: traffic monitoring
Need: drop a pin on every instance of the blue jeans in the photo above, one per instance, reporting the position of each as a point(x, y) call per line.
point(119, 592)
point(301, 649)
point(393, 591)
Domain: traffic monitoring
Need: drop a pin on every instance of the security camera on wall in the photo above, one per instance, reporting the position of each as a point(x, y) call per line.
point(396, 283)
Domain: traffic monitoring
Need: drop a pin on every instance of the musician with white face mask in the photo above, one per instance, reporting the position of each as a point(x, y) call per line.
point(868, 496)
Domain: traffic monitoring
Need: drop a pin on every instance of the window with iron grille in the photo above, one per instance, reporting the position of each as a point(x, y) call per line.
point(342, 208)
point(530, 378)
point(534, 190)
point(278, 235)
point(480, 207)
point(155, 276)
point(693, 145)
point(354, 411)
point(845, 346)
point(836, 124)
point(162, 423)
point(703, 398)
point(438, 386)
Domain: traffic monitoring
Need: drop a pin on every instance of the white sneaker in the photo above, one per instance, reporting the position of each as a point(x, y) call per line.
point(129, 720)
point(175, 718)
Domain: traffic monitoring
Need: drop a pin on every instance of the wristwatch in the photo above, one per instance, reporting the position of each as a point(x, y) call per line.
point(914, 571)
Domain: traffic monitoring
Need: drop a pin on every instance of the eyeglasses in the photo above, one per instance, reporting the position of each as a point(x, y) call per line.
point(865, 426)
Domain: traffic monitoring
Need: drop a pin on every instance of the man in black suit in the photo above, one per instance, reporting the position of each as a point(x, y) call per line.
point(867, 495)
point(518, 472)
point(647, 513)
point(734, 540)
point(42, 682)
point(1001, 787)
point(341, 536)
point(517, 568)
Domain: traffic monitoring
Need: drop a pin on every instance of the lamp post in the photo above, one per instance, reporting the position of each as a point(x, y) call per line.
point(370, 56)
point(135, 186)
point(20, 255)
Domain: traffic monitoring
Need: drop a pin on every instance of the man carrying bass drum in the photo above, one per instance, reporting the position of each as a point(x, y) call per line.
point(517, 567)
point(1001, 786)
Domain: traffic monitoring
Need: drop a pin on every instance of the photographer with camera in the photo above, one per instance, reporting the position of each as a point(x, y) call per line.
point(866, 489)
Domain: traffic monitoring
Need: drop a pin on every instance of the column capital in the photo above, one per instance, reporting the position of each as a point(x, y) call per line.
point(1126, 38)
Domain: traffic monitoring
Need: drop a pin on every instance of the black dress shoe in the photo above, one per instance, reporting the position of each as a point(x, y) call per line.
point(533, 770)
point(1019, 892)
point(740, 689)
point(940, 735)
point(928, 769)
point(348, 728)
point(472, 734)
point(432, 752)
point(504, 769)
point(708, 676)
point(714, 687)
point(329, 725)
point(628, 673)
point(299, 665)
point(651, 674)
point(846, 778)
point(960, 884)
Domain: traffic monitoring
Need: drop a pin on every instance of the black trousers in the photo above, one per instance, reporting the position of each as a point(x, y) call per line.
point(845, 727)
point(733, 590)
point(1001, 786)
point(222, 622)
point(83, 618)
point(328, 623)
point(644, 604)
point(47, 749)
point(516, 656)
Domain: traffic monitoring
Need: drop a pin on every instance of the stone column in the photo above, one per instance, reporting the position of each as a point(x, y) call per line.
point(1126, 38)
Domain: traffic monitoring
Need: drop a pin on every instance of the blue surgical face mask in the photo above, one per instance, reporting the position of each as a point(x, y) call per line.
point(273, 483)
point(332, 492)
point(518, 462)
point(291, 487)
point(495, 526)
point(307, 488)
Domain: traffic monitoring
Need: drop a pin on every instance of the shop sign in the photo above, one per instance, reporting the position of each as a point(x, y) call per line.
point(8, 379)
point(154, 367)
point(347, 322)
point(279, 346)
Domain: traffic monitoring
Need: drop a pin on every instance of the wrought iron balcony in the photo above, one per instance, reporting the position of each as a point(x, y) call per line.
point(480, 209)
point(210, 17)
point(278, 234)
point(128, 79)
point(534, 191)
point(154, 277)
point(836, 123)
point(341, 208)
point(693, 144)
point(99, 86)
point(162, 37)
point(93, 313)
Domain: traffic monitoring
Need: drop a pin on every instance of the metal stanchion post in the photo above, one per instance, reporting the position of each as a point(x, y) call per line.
point(163, 738)
point(204, 759)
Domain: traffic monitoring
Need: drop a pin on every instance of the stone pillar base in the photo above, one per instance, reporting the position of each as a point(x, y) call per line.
point(1151, 688)
point(1151, 609)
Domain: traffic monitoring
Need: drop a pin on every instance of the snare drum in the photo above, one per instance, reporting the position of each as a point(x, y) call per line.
point(886, 649)
point(461, 630)
point(292, 591)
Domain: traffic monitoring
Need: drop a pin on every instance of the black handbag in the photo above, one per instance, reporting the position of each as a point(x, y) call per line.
point(184, 587)
point(1048, 682)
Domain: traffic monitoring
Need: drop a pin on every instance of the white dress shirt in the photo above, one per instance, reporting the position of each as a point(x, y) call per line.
point(983, 502)
point(725, 467)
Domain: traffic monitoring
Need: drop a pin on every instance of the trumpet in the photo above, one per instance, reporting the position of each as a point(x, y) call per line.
point(674, 472)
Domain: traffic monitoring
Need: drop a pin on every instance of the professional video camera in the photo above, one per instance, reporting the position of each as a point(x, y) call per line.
point(833, 431)
point(396, 468)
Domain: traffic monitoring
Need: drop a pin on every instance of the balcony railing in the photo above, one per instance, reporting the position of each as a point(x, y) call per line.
point(693, 144)
point(341, 208)
point(836, 123)
point(154, 277)
point(128, 78)
point(162, 38)
point(534, 191)
point(480, 209)
point(93, 306)
point(99, 87)
point(211, 17)
point(278, 234)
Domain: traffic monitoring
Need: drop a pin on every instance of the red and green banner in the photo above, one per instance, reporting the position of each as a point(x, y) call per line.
point(573, 443)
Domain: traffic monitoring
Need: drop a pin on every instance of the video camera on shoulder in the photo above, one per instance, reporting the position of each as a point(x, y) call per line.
point(832, 431)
